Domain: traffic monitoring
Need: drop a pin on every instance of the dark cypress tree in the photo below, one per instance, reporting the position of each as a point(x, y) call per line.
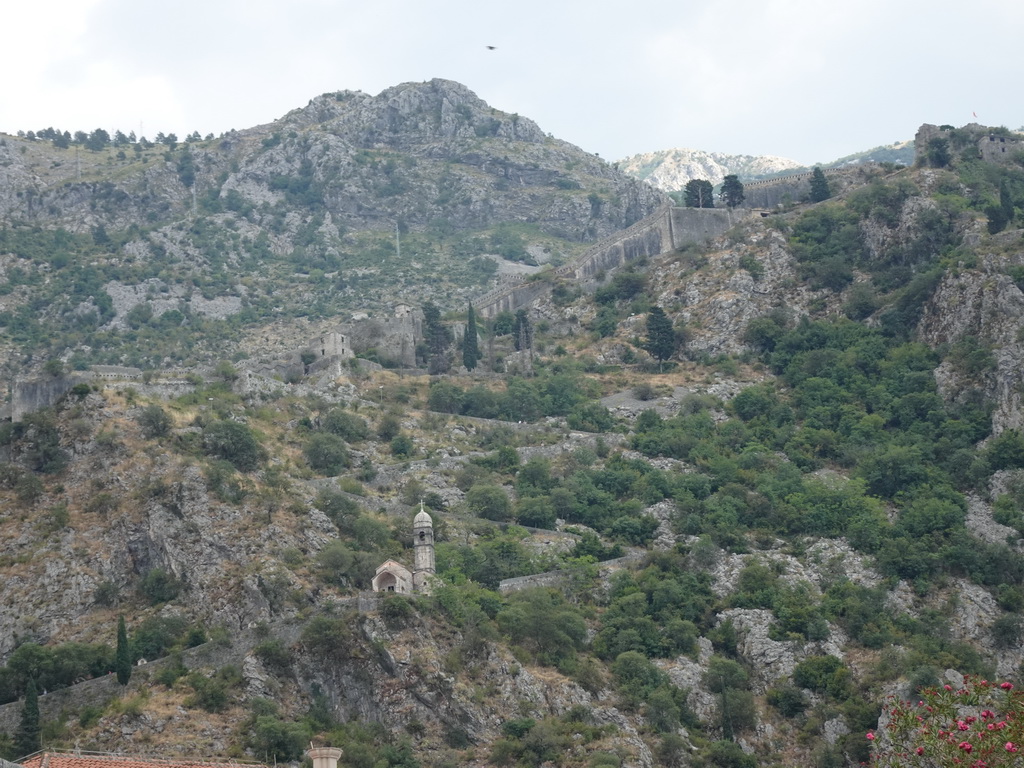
point(523, 331)
point(661, 338)
point(1006, 201)
point(470, 345)
point(26, 738)
point(438, 338)
point(819, 186)
point(732, 191)
point(123, 657)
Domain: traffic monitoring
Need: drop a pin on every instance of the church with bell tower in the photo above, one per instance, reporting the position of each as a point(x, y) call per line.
point(392, 576)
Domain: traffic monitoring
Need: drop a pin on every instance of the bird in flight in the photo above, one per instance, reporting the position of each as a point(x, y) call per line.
point(492, 47)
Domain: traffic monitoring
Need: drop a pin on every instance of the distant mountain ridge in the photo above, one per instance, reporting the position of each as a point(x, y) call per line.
point(670, 169)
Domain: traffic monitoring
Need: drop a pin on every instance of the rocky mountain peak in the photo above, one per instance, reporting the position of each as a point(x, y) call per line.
point(411, 115)
point(670, 169)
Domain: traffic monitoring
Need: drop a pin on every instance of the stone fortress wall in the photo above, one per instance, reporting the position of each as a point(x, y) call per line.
point(664, 230)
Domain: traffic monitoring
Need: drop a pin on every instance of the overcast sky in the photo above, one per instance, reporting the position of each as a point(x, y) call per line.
point(810, 80)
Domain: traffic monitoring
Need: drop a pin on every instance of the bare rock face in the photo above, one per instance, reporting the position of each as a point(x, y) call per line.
point(419, 151)
point(721, 299)
point(987, 305)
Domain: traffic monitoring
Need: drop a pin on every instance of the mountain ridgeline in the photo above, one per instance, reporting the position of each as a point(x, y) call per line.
point(711, 507)
point(353, 203)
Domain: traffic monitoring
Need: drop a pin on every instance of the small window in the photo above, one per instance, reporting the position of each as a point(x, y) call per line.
point(422, 535)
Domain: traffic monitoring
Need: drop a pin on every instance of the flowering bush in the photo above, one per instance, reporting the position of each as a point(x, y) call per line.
point(978, 725)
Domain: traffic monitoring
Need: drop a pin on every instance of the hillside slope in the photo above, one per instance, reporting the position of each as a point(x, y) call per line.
point(811, 502)
point(352, 203)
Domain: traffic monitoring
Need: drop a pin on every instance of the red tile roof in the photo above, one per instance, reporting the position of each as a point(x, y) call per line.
point(52, 759)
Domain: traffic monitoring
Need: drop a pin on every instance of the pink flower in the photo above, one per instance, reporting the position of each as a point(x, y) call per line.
point(965, 746)
point(987, 713)
point(1010, 746)
point(961, 725)
point(871, 736)
point(920, 750)
point(991, 726)
point(1006, 686)
point(950, 687)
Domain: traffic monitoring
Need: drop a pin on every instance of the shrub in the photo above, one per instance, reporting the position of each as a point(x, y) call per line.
point(277, 740)
point(823, 674)
point(233, 442)
point(159, 586)
point(346, 425)
point(542, 621)
point(327, 453)
point(156, 635)
point(154, 421)
point(274, 654)
point(490, 502)
point(402, 446)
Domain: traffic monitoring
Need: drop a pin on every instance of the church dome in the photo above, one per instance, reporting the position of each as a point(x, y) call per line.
point(422, 518)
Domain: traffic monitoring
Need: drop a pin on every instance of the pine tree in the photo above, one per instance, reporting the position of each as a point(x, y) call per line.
point(698, 193)
point(661, 338)
point(470, 345)
point(819, 186)
point(732, 191)
point(123, 658)
point(26, 738)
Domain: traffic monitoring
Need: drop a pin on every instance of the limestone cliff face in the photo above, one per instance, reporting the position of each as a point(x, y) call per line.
point(985, 305)
point(423, 150)
point(413, 153)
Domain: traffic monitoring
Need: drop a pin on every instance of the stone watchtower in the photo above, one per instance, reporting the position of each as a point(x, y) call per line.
point(423, 552)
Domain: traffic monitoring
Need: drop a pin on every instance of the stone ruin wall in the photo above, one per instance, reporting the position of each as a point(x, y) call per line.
point(394, 338)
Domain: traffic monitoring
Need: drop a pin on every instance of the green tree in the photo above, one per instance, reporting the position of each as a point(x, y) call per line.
point(155, 421)
point(345, 425)
point(819, 186)
point(661, 338)
point(470, 346)
point(1006, 200)
point(732, 191)
point(490, 502)
point(233, 442)
point(937, 152)
point(26, 738)
point(543, 622)
point(159, 586)
point(438, 339)
point(123, 658)
point(698, 193)
point(97, 140)
point(327, 453)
